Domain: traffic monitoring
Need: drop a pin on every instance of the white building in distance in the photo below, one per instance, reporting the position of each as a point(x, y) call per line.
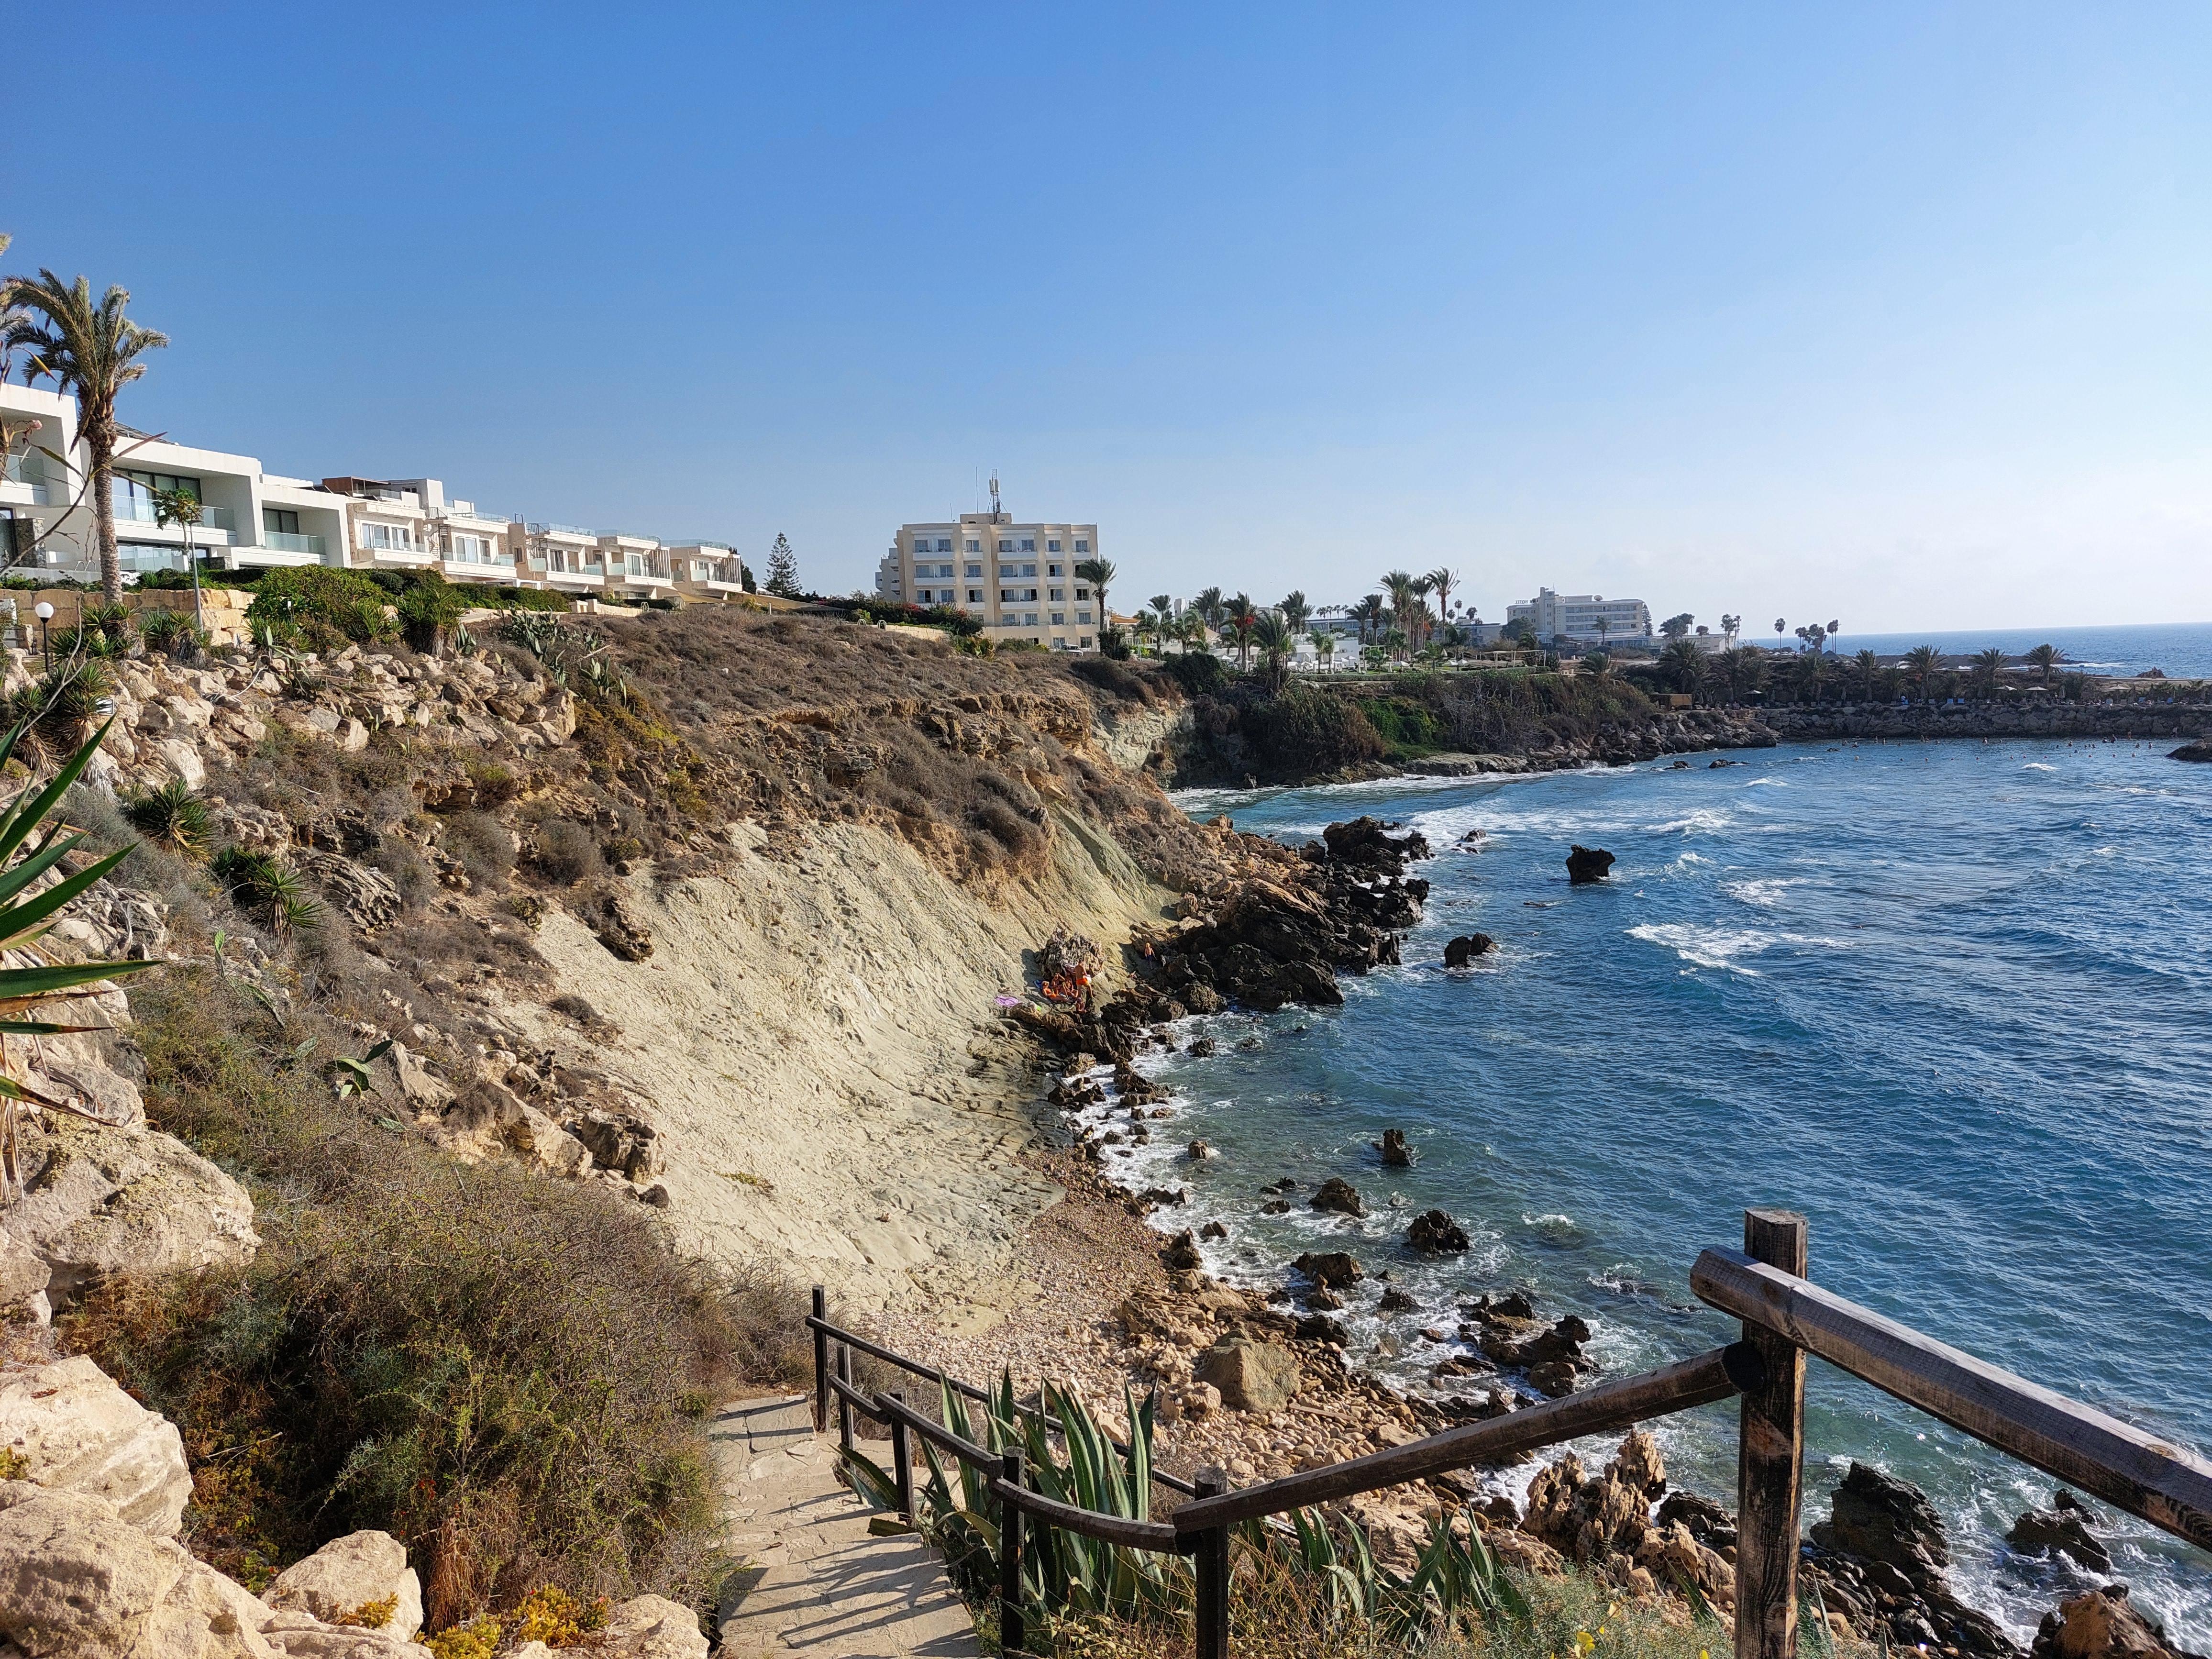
point(1018, 579)
point(1578, 616)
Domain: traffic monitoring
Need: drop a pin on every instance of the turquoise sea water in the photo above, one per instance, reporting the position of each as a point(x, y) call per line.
point(1952, 1000)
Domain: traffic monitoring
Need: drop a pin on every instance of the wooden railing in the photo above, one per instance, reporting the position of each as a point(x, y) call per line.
point(1785, 1318)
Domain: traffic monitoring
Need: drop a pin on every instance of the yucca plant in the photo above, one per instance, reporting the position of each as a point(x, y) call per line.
point(265, 883)
point(1455, 1577)
point(171, 816)
point(24, 920)
point(112, 623)
point(162, 628)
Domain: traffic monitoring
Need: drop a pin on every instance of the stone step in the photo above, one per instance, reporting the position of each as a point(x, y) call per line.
point(815, 1582)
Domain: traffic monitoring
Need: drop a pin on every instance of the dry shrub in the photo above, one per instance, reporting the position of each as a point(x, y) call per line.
point(565, 851)
point(484, 846)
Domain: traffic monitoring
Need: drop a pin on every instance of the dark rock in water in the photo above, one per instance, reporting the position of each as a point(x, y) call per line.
point(1587, 864)
point(1704, 1520)
point(1181, 1253)
point(1553, 1379)
point(1396, 1300)
point(1198, 1151)
point(2101, 1624)
point(2199, 750)
point(1397, 1154)
point(1213, 1230)
point(1339, 1195)
point(1276, 1206)
point(1319, 1328)
point(1325, 1299)
point(1366, 841)
point(1878, 1518)
point(1200, 1047)
point(1490, 1311)
point(1459, 951)
point(1433, 1233)
point(1336, 1267)
point(1166, 1195)
point(1519, 1343)
point(1715, 766)
point(1288, 1183)
point(2062, 1529)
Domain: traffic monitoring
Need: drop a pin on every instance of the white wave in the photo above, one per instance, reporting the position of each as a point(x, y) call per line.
point(1768, 783)
point(1721, 947)
point(2038, 766)
point(1704, 818)
point(1765, 891)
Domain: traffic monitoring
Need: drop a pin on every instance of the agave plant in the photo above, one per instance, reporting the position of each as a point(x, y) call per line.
point(1455, 1577)
point(23, 921)
point(171, 816)
point(264, 882)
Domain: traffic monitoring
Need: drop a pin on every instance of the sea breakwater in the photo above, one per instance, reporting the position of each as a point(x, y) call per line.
point(2093, 721)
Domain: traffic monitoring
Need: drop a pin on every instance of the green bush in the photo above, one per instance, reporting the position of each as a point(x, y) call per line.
point(1307, 732)
point(429, 611)
point(1200, 673)
point(318, 600)
point(1406, 726)
point(265, 885)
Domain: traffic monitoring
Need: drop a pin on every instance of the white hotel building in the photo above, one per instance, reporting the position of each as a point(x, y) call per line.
point(1018, 579)
point(1578, 616)
point(250, 519)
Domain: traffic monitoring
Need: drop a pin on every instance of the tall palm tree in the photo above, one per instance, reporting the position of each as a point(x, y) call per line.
point(1296, 611)
point(1207, 607)
point(1324, 645)
point(1399, 585)
point(1272, 635)
point(1163, 619)
point(1869, 663)
point(1987, 665)
point(1441, 581)
point(2044, 657)
point(1920, 662)
point(1098, 573)
point(1194, 631)
point(1368, 613)
point(1242, 632)
point(1683, 664)
point(91, 352)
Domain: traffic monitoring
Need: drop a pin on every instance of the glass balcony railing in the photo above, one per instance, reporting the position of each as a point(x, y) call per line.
point(287, 541)
point(134, 509)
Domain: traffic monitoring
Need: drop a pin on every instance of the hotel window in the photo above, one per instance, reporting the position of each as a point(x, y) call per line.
point(972, 572)
point(387, 538)
point(1082, 592)
point(283, 522)
point(1082, 546)
point(944, 570)
point(973, 547)
point(944, 544)
point(1029, 544)
point(974, 596)
point(1054, 571)
point(1053, 546)
point(1083, 616)
point(1057, 594)
point(1029, 570)
point(1060, 619)
point(1029, 619)
point(132, 485)
point(1005, 547)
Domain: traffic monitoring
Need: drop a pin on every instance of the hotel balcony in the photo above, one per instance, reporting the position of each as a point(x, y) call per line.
point(285, 541)
point(130, 510)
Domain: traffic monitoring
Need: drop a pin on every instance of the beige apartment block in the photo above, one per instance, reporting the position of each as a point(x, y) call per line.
point(1018, 579)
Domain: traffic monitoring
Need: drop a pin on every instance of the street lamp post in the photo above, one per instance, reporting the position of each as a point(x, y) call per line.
point(43, 611)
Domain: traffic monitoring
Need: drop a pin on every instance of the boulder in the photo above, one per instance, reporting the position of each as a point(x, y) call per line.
point(2199, 750)
point(1396, 1300)
point(1459, 951)
point(541, 1143)
point(1586, 864)
point(1435, 1233)
point(297, 1636)
point(350, 1577)
point(1319, 1328)
point(1182, 1253)
point(1397, 1154)
point(651, 1627)
point(2100, 1625)
point(23, 1276)
point(1251, 1376)
point(1338, 1196)
point(365, 893)
point(99, 1200)
point(1332, 1267)
point(2062, 1529)
point(422, 1088)
point(1878, 1518)
point(76, 1430)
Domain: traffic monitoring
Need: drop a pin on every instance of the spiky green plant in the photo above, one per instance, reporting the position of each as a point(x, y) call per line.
point(24, 920)
point(171, 816)
point(265, 885)
point(113, 623)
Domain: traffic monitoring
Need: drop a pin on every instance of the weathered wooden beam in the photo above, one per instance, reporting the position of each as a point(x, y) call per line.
point(1610, 1406)
point(1108, 1528)
point(1769, 1460)
point(820, 1322)
point(898, 1411)
point(2127, 1467)
point(1210, 1571)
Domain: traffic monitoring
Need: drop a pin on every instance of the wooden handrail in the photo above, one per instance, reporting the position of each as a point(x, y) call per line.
point(1091, 1523)
point(863, 1403)
point(1610, 1406)
point(929, 1429)
point(2125, 1466)
point(824, 1330)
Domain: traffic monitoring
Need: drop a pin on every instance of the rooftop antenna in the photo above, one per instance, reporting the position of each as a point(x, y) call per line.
point(994, 492)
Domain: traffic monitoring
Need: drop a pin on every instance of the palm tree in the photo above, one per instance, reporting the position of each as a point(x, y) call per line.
point(1399, 585)
point(1683, 664)
point(1324, 645)
point(1242, 629)
point(91, 352)
point(1441, 582)
point(1098, 573)
point(1368, 613)
point(1296, 611)
point(1271, 632)
point(1920, 662)
point(1194, 631)
point(1987, 665)
point(1597, 663)
point(1207, 607)
point(2044, 657)
point(1868, 664)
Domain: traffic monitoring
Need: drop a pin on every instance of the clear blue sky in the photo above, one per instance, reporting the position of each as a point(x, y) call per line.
point(1898, 314)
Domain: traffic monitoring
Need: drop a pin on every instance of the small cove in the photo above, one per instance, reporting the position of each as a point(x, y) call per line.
point(1946, 998)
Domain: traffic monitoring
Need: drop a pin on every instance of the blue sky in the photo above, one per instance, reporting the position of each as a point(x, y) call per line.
point(1897, 315)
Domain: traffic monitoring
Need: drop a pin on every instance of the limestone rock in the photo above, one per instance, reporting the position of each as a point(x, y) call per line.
point(1252, 1376)
point(100, 1201)
point(349, 1573)
point(651, 1627)
point(365, 894)
point(2062, 1529)
point(2100, 1625)
point(1339, 1195)
point(1587, 864)
point(23, 1277)
point(423, 1089)
point(540, 1142)
point(79, 1432)
point(1334, 1268)
point(1433, 1232)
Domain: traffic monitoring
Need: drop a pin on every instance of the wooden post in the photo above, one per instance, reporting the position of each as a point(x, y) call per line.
point(1011, 1638)
point(844, 1405)
point(1771, 1460)
point(902, 1462)
point(821, 1364)
point(1210, 1565)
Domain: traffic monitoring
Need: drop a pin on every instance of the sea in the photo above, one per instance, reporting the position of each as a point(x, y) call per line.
point(2181, 650)
point(1952, 1000)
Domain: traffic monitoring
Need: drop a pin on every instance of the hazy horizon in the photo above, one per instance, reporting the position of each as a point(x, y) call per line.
point(1891, 316)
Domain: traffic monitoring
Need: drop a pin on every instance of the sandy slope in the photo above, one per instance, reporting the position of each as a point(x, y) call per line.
point(826, 1023)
